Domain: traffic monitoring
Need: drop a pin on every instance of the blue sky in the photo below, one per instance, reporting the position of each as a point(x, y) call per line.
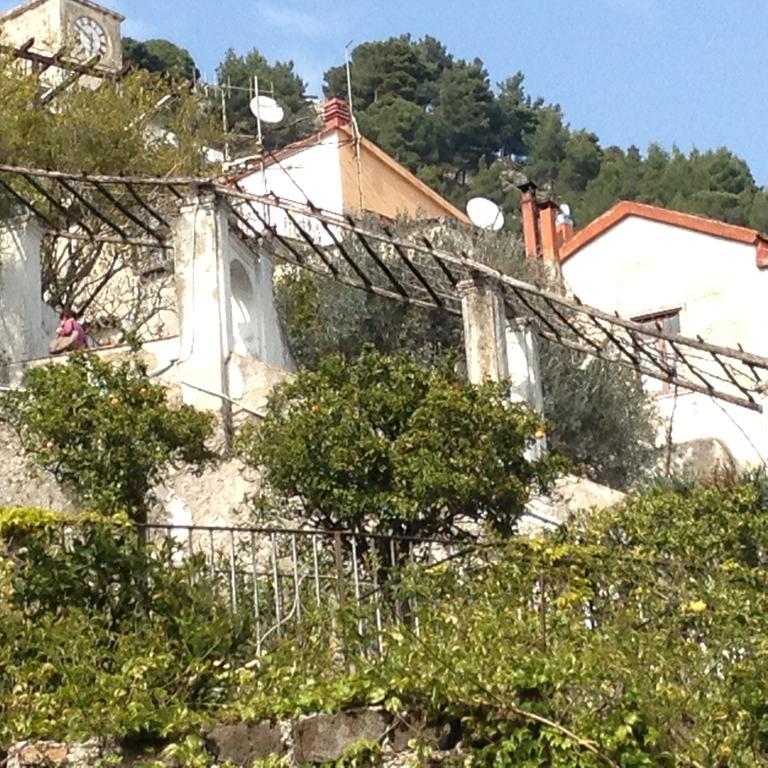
point(691, 72)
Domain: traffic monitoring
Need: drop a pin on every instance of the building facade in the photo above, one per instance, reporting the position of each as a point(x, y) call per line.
point(678, 273)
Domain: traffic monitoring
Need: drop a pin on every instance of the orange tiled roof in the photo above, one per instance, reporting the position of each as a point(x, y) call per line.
point(627, 208)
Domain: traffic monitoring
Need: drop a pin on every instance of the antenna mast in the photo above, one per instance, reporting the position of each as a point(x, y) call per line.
point(258, 111)
point(354, 126)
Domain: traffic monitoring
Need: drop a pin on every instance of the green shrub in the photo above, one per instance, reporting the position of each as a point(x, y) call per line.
point(388, 445)
point(100, 636)
point(104, 430)
point(637, 641)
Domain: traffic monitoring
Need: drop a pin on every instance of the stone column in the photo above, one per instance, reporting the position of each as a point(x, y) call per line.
point(525, 372)
point(497, 348)
point(201, 235)
point(523, 363)
point(482, 309)
point(23, 334)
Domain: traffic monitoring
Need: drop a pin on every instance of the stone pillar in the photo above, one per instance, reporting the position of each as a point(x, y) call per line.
point(763, 400)
point(23, 331)
point(497, 348)
point(525, 372)
point(201, 235)
point(523, 363)
point(482, 309)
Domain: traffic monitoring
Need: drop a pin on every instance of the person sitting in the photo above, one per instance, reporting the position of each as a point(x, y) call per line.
point(70, 334)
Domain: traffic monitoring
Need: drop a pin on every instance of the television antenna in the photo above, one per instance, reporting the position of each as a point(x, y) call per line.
point(485, 214)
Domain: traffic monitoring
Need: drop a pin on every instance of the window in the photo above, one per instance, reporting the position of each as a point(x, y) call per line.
point(662, 351)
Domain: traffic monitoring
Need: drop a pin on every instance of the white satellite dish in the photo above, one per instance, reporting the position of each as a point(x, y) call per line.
point(485, 214)
point(267, 110)
point(564, 215)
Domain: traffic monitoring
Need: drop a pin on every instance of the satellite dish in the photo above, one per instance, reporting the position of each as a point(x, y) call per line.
point(564, 215)
point(485, 214)
point(267, 110)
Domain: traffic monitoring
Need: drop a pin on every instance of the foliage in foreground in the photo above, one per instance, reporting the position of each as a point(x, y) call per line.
point(100, 636)
point(387, 445)
point(105, 431)
point(639, 641)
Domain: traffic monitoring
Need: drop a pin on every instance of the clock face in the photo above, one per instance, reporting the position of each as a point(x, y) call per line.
point(90, 36)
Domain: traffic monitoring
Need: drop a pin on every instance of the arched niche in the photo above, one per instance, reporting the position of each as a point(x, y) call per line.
point(242, 303)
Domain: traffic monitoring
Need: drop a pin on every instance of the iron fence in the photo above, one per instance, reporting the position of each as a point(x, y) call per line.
point(282, 575)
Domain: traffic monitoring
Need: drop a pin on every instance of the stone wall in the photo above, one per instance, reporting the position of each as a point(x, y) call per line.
point(216, 495)
point(309, 740)
point(23, 485)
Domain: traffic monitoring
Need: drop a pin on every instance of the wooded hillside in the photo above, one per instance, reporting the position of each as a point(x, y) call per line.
point(464, 135)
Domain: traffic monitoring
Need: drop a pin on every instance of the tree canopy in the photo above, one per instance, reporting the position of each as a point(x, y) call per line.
point(236, 75)
point(160, 56)
point(442, 118)
point(106, 130)
point(387, 445)
point(612, 443)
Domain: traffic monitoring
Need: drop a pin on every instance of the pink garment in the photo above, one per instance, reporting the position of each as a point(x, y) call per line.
point(68, 327)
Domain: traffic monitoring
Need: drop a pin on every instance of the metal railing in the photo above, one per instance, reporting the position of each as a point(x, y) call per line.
point(281, 575)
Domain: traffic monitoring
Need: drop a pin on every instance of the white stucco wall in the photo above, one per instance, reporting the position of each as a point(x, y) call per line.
point(226, 309)
point(255, 325)
point(312, 175)
point(641, 267)
point(697, 417)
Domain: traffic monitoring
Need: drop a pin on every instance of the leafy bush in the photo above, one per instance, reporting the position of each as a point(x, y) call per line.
point(636, 641)
point(100, 636)
point(104, 430)
point(600, 417)
point(384, 444)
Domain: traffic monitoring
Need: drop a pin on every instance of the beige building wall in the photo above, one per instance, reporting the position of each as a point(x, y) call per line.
point(388, 189)
point(112, 60)
point(40, 21)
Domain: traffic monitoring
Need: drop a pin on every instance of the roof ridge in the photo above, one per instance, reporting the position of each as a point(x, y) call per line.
point(690, 221)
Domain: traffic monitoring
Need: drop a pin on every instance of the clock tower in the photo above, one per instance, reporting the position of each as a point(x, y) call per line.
point(81, 29)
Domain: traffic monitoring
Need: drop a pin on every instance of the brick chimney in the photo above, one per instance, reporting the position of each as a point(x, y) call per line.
point(564, 230)
point(529, 209)
point(545, 227)
point(336, 114)
point(548, 231)
point(762, 253)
